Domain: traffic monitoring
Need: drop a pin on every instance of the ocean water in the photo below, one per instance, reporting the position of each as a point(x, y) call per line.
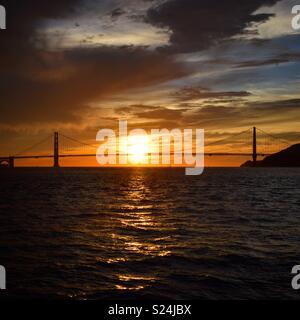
point(150, 233)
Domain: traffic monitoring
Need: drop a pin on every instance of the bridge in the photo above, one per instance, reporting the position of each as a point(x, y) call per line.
point(268, 144)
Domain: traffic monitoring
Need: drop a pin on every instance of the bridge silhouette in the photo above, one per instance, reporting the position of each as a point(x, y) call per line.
point(252, 147)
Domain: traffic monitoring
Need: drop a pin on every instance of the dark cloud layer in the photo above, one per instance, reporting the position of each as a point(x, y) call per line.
point(153, 112)
point(277, 105)
point(58, 86)
point(116, 13)
point(251, 113)
point(260, 63)
point(275, 60)
point(42, 85)
point(218, 116)
point(192, 93)
point(198, 24)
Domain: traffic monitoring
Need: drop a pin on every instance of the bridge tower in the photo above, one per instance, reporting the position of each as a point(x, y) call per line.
point(11, 162)
point(254, 147)
point(56, 152)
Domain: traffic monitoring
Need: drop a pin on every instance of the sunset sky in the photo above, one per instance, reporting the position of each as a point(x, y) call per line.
point(77, 66)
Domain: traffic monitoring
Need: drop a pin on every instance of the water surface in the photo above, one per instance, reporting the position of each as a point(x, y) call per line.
point(150, 233)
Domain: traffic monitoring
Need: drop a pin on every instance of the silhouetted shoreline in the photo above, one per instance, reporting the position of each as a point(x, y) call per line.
point(289, 157)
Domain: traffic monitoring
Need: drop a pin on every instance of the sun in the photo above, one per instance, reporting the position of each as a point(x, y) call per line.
point(138, 149)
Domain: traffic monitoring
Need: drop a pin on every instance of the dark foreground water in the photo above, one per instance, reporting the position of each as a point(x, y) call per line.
point(150, 233)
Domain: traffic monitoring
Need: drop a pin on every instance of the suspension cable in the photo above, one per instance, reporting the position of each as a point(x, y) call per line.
point(77, 141)
point(231, 136)
point(274, 137)
point(33, 146)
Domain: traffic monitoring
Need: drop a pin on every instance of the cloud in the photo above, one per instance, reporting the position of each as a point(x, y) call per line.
point(152, 112)
point(214, 115)
point(260, 63)
point(284, 57)
point(39, 85)
point(116, 13)
point(60, 86)
point(161, 113)
point(193, 93)
point(196, 25)
point(257, 112)
point(277, 105)
point(243, 114)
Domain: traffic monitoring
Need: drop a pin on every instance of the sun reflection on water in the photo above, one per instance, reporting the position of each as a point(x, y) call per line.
point(131, 282)
point(138, 235)
point(120, 287)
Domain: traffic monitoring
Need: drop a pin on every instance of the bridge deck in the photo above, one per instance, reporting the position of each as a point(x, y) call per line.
point(94, 155)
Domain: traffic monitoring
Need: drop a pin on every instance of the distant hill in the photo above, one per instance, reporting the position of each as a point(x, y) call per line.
point(289, 157)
